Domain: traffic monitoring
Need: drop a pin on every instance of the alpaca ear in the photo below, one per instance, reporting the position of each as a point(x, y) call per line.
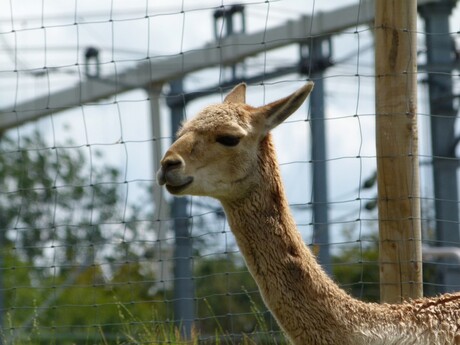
point(278, 111)
point(237, 95)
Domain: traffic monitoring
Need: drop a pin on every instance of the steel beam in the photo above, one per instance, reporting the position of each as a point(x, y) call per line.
point(440, 63)
point(226, 51)
point(184, 287)
point(314, 62)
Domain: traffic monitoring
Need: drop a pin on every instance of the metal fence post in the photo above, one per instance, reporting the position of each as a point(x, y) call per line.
point(315, 58)
point(440, 63)
point(184, 289)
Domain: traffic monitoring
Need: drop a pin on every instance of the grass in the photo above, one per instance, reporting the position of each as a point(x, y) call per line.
point(138, 332)
point(168, 333)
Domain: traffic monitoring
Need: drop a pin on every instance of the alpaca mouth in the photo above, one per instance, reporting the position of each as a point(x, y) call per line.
point(176, 189)
point(174, 183)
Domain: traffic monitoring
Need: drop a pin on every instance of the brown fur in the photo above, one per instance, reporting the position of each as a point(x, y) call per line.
point(307, 304)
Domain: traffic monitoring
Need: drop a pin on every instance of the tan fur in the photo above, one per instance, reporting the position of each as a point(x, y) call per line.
point(307, 304)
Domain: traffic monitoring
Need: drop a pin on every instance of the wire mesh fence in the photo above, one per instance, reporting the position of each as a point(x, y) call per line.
point(91, 93)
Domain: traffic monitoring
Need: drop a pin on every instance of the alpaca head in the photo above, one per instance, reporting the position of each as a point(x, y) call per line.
point(216, 153)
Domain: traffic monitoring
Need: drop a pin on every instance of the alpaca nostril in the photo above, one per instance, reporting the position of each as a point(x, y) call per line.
point(171, 164)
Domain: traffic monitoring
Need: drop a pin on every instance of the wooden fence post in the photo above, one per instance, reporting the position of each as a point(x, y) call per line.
point(397, 150)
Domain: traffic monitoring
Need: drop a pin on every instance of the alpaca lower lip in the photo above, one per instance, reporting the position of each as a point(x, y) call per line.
point(177, 189)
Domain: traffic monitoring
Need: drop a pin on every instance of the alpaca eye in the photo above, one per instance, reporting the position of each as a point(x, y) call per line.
point(228, 140)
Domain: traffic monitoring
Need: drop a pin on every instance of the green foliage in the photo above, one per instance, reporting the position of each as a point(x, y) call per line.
point(121, 310)
point(56, 203)
point(59, 210)
point(220, 283)
point(228, 296)
point(356, 269)
point(91, 306)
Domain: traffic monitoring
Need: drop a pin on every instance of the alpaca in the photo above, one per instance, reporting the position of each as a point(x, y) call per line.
point(226, 152)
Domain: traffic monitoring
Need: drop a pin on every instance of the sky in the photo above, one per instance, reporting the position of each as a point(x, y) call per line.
point(44, 41)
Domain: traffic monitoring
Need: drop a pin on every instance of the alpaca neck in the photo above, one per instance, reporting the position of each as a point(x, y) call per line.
point(291, 282)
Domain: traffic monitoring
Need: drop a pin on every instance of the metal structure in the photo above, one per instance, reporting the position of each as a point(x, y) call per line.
point(315, 58)
point(152, 74)
point(225, 51)
point(184, 286)
point(440, 64)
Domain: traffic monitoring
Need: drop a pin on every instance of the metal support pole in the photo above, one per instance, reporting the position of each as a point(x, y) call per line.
point(2, 287)
point(227, 15)
point(316, 59)
point(163, 269)
point(184, 289)
point(440, 63)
